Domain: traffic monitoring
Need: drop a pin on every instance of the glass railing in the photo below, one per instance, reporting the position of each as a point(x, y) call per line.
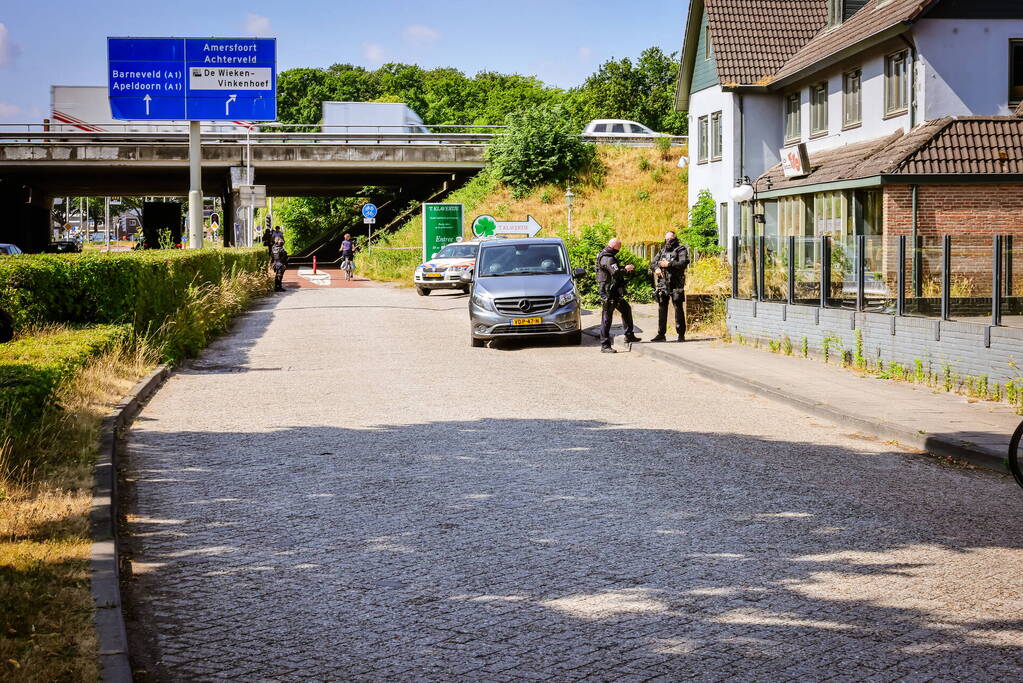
point(842, 286)
point(880, 273)
point(1012, 282)
point(923, 278)
point(970, 282)
point(806, 255)
point(776, 265)
point(744, 267)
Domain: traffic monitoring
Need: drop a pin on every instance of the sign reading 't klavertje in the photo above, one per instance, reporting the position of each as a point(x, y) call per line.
point(442, 224)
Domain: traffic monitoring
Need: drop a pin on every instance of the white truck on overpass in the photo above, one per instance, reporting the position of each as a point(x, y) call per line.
point(86, 108)
point(371, 118)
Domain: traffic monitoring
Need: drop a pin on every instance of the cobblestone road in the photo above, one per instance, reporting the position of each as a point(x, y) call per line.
point(343, 490)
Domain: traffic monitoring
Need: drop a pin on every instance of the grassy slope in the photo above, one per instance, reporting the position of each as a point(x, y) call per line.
point(640, 204)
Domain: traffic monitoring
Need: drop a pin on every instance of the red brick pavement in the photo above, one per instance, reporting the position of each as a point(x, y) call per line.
point(292, 280)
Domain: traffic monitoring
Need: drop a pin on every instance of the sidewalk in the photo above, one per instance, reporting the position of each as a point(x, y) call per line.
point(943, 424)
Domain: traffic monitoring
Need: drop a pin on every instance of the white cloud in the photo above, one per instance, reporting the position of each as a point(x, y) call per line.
point(9, 111)
point(585, 53)
point(9, 50)
point(374, 53)
point(418, 33)
point(257, 26)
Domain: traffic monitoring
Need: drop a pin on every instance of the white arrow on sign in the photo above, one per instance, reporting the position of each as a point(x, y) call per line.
point(227, 105)
point(147, 100)
point(527, 227)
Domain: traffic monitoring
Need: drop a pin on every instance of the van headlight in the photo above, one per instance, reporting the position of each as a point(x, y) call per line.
point(483, 301)
point(566, 298)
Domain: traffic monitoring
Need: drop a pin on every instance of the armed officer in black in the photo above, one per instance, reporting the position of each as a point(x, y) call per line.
point(669, 270)
point(279, 263)
point(611, 287)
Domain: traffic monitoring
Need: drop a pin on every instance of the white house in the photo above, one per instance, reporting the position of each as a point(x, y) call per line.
point(903, 107)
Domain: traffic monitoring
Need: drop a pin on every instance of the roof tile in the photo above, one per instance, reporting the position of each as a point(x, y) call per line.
point(873, 18)
point(752, 39)
point(968, 145)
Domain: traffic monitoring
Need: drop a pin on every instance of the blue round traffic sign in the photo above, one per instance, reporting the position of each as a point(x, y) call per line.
point(369, 210)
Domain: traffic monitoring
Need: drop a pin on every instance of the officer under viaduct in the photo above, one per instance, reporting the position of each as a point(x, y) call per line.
point(35, 168)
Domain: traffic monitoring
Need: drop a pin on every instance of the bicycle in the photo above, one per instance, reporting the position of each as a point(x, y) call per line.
point(347, 265)
point(1014, 460)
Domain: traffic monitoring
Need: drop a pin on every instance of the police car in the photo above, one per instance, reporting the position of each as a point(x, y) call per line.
point(444, 270)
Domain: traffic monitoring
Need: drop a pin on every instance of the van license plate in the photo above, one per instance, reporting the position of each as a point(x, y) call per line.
point(526, 321)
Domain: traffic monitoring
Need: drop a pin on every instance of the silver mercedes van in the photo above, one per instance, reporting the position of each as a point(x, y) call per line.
point(523, 287)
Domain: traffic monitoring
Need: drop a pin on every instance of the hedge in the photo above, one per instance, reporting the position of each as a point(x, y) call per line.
point(32, 368)
point(141, 288)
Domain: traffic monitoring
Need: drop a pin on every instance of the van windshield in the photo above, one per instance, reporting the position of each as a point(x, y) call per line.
point(521, 259)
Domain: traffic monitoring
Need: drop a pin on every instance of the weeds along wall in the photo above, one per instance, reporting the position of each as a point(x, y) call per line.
point(139, 288)
point(967, 349)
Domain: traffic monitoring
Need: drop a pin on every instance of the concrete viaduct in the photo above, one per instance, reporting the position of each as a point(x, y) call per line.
point(37, 167)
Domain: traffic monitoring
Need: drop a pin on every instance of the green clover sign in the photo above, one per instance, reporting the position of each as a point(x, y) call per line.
point(484, 226)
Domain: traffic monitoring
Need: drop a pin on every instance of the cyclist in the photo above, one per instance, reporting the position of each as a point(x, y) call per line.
point(348, 252)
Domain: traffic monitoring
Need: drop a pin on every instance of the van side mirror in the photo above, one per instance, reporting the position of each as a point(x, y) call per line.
point(465, 276)
point(578, 272)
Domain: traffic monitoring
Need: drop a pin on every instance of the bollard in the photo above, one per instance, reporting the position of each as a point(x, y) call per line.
point(314, 264)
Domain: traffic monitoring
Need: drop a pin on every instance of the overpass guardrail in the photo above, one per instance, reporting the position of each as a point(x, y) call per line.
point(35, 133)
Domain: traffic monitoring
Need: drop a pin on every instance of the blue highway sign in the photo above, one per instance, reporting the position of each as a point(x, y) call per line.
point(369, 210)
point(202, 79)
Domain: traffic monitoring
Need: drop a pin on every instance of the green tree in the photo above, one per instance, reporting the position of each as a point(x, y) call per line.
point(301, 93)
point(701, 234)
point(304, 219)
point(350, 83)
point(539, 146)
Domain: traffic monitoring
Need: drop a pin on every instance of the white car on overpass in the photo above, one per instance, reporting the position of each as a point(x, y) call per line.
point(618, 128)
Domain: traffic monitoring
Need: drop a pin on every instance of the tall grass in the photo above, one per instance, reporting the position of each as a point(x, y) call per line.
point(45, 603)
point(45, 491)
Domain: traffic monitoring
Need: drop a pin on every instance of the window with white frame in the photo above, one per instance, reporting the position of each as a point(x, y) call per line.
point(819, 109)
point(715, 136)
point(896, 82)
point(835, 11)
point(852, 99)
point(792, 122)
point(703, 134)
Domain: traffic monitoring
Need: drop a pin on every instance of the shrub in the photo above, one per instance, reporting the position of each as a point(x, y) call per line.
point(33, 367)
point(709, 275)
point(663, 144)
point(583, 248)
point(140, 288)
point(701, 234)
point(539, 147)
point(644, 164)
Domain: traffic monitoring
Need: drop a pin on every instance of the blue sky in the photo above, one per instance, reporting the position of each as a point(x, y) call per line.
point(559, 41)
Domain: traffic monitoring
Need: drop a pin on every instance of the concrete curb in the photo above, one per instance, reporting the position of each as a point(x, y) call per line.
point(888, 431)
point(103, 559)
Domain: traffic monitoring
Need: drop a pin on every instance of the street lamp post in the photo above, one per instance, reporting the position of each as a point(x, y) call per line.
point(568, 202)
point(746, 190)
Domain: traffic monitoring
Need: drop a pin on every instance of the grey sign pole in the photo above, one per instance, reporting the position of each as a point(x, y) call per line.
point(195, 186)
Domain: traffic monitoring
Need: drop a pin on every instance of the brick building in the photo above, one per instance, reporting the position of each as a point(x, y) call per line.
point(894, 104)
